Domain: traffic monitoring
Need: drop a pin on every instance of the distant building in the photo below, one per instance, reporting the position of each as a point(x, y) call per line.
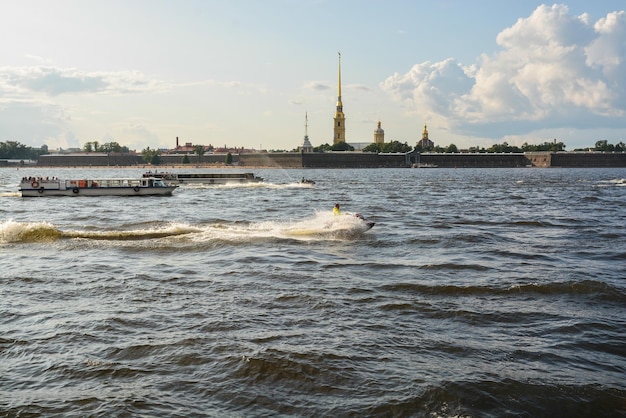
point(379, 135)
point(340, 119)
point(182, 149)
point(425, 143)
point(306, 144)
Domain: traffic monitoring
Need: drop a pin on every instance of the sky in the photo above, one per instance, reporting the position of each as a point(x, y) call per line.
point(244, 73)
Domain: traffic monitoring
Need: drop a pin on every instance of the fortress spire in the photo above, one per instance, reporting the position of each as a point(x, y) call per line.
point(340, 120)
point(339, 105)
point(306, 144)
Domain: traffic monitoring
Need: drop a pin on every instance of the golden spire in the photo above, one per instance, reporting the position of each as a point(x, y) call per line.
point(339, 131)
point(339, 104)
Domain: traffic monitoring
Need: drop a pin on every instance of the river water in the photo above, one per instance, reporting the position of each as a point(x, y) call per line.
point(479, 293)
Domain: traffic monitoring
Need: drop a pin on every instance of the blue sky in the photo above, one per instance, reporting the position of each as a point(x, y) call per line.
point(244, 72)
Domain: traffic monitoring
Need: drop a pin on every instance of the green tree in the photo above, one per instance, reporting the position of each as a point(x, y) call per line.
point(604, 145)
point(342, 146)
point(185, 159)
point(16, 150)
point(395, 146)
point(504, 147)
point(452, 149)
point(322, 148)
point(113, 147)
point(199, 149)
point(229, 158)
point(151, 156)
point(373, 147)
point(546, 146)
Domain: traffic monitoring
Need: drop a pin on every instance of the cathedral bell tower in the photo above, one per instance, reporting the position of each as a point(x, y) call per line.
point(340, 119)
point(379, 135)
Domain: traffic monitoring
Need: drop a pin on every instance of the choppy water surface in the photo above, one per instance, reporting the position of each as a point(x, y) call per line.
point(479, 292)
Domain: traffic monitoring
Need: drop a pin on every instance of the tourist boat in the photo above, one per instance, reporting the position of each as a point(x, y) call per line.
point(205, 178)
point(148, 186)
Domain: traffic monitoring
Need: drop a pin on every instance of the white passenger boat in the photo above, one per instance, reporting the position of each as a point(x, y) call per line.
point(147, 186)
point(205, 178)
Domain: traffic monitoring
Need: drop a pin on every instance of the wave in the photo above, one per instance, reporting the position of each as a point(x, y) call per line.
point(11, 231)
point(506, 397)
point(26, 232)
point(321, 226)
point(170, 230)
point(588, 288)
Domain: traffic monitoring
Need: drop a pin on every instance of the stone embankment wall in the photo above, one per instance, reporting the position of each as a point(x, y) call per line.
point(588, 159)
point(474, 160)
point(89, 159)
point(278, 160)
point(353, 160)
point(577, 159)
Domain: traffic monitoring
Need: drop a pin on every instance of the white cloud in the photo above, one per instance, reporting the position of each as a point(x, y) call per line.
point(553, 70)
point(318, 86)
point(608, 50)
point(53, 81)
point(34, 123)
point(431, 87)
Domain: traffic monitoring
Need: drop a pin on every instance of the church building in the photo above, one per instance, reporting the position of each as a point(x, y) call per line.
point(425, 143)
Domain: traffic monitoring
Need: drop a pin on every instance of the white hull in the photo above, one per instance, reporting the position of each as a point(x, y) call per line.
point(101, 187)
point(212, 181)
point(205, 178)
point(113, 191)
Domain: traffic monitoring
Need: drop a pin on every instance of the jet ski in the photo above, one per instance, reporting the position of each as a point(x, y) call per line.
point(369, 224)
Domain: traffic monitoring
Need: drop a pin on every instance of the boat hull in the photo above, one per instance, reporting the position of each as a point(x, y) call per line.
point(113, 191)
point(205, 178)
point(38, 187)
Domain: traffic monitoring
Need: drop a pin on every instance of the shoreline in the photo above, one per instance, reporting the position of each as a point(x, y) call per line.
point(145, 167)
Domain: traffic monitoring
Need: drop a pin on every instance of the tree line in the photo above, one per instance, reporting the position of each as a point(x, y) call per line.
point(15, 150)
point(95, 146)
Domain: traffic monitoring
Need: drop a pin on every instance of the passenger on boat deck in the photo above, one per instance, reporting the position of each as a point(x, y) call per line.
point(336, 210)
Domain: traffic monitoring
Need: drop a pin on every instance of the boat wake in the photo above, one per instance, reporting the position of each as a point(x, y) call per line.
point(155, 232)
point(11, 232)
point(619, 182)
point(255, 185)
point(321, 226)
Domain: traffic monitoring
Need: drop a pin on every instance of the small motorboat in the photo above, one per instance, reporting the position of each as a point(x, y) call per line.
point(369, 224)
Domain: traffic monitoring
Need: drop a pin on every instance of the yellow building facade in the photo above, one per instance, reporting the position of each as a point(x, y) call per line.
point(379, 135)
